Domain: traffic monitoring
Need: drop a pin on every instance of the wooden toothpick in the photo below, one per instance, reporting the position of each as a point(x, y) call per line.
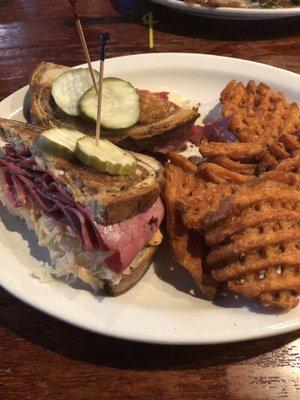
point(83, 42)
point(148, 20)
point(151, 36)
point(103, 39)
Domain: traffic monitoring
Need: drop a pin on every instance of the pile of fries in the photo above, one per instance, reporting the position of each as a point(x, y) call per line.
point(234, 219)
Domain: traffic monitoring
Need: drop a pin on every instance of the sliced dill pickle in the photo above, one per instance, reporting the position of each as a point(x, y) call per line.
point(60, 142)
point(120, 106)
point(105, 157)
point(68, 88)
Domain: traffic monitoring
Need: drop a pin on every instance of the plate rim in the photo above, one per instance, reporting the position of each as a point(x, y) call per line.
point(231, 12)
point(243, 336)
point(259, 334)
point(173, 54)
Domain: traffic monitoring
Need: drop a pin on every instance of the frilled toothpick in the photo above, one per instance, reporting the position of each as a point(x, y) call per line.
point(83, 41)
point(148, 20)
point(104, 37)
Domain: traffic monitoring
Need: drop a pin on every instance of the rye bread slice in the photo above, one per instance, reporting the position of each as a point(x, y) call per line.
point(128, 281)
point(159, 119)
point(111, 199)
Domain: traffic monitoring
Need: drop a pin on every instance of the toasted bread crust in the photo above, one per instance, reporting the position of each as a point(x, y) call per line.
point(44, 112)
point(45, 73)
point(128, 281)
point(184, 117)
point(159, 119)
point(110, 198)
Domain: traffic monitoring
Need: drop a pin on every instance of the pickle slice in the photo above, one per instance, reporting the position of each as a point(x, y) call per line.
point(120, 106)
point(59, 142)
point(105, 157)
point(68, 88)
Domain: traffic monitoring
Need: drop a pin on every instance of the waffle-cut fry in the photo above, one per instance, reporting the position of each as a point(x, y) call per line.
point(259, 114)
point(244, 199)
point(291, 164)
point(288, 146)
point(252, 238)
point(234, 166)
point(278, 151)
point(290, 179)
point(187, 246)
point(291, 142)
point(256, 261)
point(218, 174)
point(286, 299)
point(249, 217)
point(266, 163)
point(254, 285)
point(236, 151)
point(254, 192)
point(183, 163)
point(194, 208)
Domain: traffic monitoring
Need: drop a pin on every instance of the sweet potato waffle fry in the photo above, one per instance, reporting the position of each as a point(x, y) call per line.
point(194, 208)
point(250, 239)
point(259, 114)
point(250, 217)
point(245, 198)
point(291, 164)
point(287, 146)
point(219, 174)
point(236, 151)
point(235, 166)
point(254, 240)
point(281, 288)
point(187, 246)
point(266, 124)
point(253, 261)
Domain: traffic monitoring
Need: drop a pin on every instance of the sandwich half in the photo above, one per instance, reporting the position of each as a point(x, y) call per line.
point(160, 121)
point(100, 229)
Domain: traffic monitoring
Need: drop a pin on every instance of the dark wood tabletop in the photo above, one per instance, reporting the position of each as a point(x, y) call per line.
point(42, 358)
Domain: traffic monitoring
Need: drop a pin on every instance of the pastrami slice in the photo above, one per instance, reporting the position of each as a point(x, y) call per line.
point(26, 183)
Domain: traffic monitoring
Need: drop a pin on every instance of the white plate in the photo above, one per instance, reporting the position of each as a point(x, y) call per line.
point(231, 13)
point(159, 309)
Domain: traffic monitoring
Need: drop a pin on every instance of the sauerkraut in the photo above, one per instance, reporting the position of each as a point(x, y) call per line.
point(68, 258)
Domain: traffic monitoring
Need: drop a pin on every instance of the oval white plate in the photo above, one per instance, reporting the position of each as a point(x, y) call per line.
point(160, 308)
point(231, 13)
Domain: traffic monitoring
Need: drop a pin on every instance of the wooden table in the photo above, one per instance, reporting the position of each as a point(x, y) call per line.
point(42, 358)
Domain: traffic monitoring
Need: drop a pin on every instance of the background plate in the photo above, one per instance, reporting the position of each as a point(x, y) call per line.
point(231, 13)
point(162, 307)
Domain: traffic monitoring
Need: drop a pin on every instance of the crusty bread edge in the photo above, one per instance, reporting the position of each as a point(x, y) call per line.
point(44, 112)
point(38, 74)
point(130, 280)
point(117, 208)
